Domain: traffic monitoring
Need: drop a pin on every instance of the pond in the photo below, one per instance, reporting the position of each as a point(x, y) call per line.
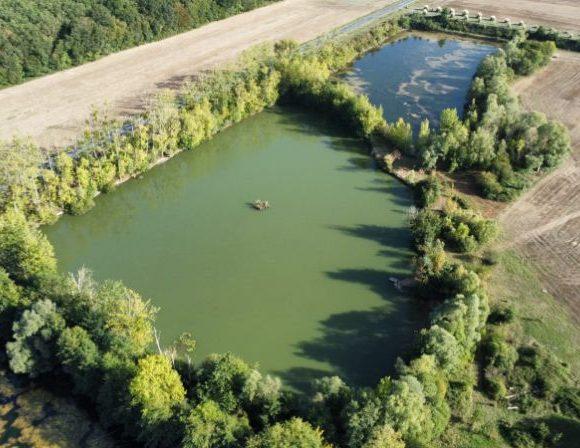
point(418, 76)
point(302, 289)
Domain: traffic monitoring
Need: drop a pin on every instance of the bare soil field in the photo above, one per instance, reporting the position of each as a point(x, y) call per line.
point(53, 109)
point(561, 14)
point(544, 224)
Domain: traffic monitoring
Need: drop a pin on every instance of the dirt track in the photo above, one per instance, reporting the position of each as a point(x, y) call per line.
point(561, 14)
point(52, 109)
point(545, 223)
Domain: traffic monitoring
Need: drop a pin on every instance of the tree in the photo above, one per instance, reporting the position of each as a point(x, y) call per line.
point(156, 389)
point(207, 426)
point(260, 398)
point(117, 318)
point(11, 300)
point(385, 437)
point(32, 351)
point(400, 135)
point(294, 433)
point(80, 358)
point(25, 253)
point(406, 409)
point(443, 346)
point(221, 378)
point(19, 171)
point(330, 397)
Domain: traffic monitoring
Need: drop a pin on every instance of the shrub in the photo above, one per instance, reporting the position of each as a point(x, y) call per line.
point(208, 426)
point(529, 434)
point(502, 314)
point(293, 433)
point(399, 135)
point(428, 191)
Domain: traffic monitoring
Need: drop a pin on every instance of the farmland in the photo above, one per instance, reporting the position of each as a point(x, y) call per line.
point(545, 223)
point(560, 14)
point(53, 109)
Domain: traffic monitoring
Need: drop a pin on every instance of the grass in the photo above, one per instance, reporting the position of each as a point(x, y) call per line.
point(540, 316)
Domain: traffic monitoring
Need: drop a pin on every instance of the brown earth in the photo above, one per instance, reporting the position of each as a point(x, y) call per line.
point(561, 14)
point(544, 224)
point(53, 109)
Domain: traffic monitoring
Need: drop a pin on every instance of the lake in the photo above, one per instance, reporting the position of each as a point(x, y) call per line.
point(302, 289)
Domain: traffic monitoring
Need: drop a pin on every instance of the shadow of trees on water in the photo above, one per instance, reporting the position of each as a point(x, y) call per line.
point(361, 346)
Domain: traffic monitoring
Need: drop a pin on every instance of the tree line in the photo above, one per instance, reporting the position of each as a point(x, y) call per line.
point(37, 38)
point(44, 185)
point(447, 22)
point(98, 337)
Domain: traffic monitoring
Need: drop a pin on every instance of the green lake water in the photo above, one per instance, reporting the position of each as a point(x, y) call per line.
point(301, 289)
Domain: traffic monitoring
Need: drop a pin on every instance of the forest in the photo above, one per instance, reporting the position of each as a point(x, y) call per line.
point(99, 338)
point(37, 38)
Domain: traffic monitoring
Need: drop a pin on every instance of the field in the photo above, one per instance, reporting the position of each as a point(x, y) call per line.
point(53, 109)
point(544, 225)
point(561, 14)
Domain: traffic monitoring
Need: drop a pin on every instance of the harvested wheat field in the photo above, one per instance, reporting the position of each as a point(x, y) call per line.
point(545, 223)
point(561, 14)
point(53, 109)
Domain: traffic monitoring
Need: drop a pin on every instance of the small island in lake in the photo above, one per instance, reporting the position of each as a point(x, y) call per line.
point(260, 204)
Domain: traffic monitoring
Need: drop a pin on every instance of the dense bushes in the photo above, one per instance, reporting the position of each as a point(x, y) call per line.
point(41, 37)
point(428, 191)
point(462, 230)
point(506, 145)
point(98, 337)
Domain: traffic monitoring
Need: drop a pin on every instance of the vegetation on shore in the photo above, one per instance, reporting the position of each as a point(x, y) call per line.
point(448, 21)
point(38, 38)
point(503, 145)
point(97, 337)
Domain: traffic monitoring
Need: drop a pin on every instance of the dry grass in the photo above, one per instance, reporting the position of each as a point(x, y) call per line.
point(32, 417)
